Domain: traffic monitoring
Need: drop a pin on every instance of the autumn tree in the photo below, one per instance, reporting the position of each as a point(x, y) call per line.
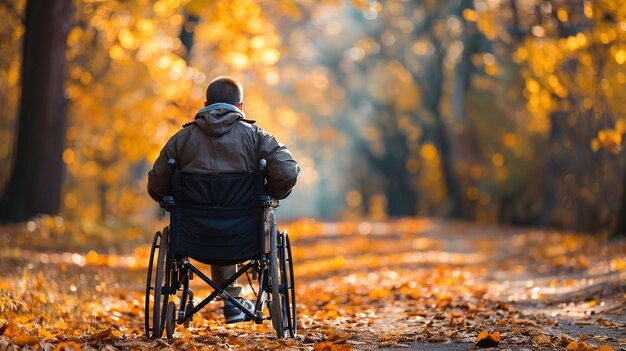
point(161, 57)
point(35, 183)
point(493, 111)
point(11, 35)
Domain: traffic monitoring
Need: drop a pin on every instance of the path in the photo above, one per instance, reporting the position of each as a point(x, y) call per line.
point(418, 284)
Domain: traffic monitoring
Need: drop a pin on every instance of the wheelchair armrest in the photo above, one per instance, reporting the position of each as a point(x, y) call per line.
point(167, 202)
point(268, 201)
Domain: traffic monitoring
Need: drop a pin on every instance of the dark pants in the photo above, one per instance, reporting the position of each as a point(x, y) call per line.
point(220, 274)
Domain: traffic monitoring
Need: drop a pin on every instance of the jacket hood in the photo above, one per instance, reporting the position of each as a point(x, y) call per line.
point(218, 119)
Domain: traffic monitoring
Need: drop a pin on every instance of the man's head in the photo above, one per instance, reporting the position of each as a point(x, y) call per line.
point(224, 89)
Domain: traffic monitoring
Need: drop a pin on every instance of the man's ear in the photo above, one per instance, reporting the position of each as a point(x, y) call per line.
point(206, 104)
point(240, 105)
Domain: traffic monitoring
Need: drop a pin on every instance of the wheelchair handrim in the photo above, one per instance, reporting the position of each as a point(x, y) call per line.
point(293, 319)
point(148, 327)
point(276, 308)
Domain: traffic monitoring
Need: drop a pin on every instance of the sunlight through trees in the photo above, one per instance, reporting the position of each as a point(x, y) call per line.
point(495, 111)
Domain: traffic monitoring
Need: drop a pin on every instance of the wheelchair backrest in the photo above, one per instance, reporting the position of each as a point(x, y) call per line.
point(218, 218)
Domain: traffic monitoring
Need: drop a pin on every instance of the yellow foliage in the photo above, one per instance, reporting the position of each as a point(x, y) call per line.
point(620, 56)
point(532, 86)
point(429, 152)
point(497, 160)
point(470, 15)
point(608, 138)
point(130, 88)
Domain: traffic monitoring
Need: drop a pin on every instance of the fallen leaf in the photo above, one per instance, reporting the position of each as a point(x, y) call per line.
point(578, 346)
point(12, 330)
point(487, 339)
point(336, 334)
point(233, 340)
point(565, 340)
point(583, 323)
point(103, 334)
point(542, 339)
point(325, 346)
point(503, 306)
point(67, 346)
point(25, 339)
point(607, 323)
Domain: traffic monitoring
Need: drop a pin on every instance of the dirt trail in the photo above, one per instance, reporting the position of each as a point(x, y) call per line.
point(416, 283)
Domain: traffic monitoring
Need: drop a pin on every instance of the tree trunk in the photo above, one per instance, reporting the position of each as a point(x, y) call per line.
point(186, 35)
point(621, 226)
point(582, 187)
point(440, 136)
point(401, 196)
point(399, 190)
point(35, 182)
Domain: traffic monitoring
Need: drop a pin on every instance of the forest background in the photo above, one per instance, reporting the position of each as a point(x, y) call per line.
point(490, 110)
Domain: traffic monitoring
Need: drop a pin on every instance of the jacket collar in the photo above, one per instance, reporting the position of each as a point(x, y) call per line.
point(221, 106)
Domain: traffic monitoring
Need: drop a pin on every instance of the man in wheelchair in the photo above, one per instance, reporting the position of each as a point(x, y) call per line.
point(221, 141)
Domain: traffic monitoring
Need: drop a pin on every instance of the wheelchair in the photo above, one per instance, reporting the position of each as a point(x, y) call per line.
point(219, 219)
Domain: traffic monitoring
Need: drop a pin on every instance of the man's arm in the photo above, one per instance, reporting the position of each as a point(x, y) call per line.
point(159, 178)
point(282, 168)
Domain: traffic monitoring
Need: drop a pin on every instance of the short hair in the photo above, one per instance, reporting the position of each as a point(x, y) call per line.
point(224, 89)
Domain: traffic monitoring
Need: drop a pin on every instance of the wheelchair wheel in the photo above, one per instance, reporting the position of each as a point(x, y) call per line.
point(276, 308)
point(170, 320)
point(288, 284)
point(156, 296)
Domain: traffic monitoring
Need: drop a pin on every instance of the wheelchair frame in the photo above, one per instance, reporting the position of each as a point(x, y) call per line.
point(169, 273)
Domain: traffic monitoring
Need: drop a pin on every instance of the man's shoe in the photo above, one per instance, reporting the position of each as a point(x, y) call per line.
point(232, 314)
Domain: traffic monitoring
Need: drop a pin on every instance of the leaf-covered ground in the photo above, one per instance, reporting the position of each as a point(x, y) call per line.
point(416, 283)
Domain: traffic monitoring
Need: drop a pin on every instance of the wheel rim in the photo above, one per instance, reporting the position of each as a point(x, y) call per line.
point(156, 303)
point(276, 310)
point(153, 312)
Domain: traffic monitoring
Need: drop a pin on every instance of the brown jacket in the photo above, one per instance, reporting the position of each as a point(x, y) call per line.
point(221, 140)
